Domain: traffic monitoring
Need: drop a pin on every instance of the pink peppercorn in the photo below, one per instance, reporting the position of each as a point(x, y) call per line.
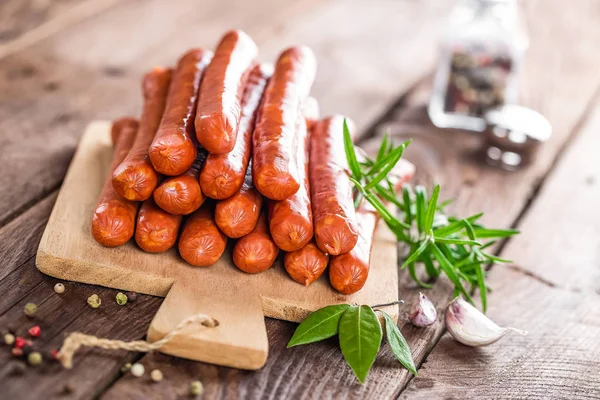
point(34, 331)
point(20, 342)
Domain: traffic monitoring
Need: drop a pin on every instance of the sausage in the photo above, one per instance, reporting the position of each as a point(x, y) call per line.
point(311, 112)
point(237, 215)
point(291, 221)
point(156, 229)
point(135, 178)
point(275, 168)
point(113, 220)
point(334, 216)
point(181, 195)
point(221, 91)
point(306, 265)
point(173, 149)
point(348, 272)
point(256, 252)
point(201, 243)
point(223, 174)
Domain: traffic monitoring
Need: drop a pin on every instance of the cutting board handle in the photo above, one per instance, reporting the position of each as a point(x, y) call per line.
point(240, 338)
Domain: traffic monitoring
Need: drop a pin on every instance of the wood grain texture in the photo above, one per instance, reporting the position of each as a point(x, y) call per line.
point(21, 283)
point(556, 299)
point(99, 79)
point(566, 208)
point(235, 299)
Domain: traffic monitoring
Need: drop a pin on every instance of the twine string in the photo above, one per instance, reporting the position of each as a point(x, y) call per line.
point(77, 339)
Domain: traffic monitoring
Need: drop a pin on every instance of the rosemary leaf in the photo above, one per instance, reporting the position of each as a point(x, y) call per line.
point(351, 154)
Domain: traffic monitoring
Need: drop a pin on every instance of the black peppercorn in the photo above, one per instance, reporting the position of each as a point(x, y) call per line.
point(131, 296)
point(27, 350)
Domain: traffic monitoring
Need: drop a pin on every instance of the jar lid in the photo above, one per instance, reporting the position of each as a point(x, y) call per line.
point(520, 121)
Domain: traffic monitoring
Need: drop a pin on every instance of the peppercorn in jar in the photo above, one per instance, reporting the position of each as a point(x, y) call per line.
point(482, 51)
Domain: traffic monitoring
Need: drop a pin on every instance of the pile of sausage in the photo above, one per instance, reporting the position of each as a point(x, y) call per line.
point(229, 148)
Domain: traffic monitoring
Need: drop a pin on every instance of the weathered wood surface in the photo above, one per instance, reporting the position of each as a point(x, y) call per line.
point(91, 70)
point(556, 300)
point(561, 80)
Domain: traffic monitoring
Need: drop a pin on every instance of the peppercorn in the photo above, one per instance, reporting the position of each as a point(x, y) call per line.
point(137, 370)
point(27, 350)
point(34, 359)
point(17, 352)
point(9, 339)
point(54, 354)
point(94, 301)
point(132, 296)
point(156, 375)
point(121, 299)
point(16, 368)
point(34, 331)
point(67, 389)
point(196, 388)
point(30, 309)
point(20, 342)
point(126, 368)
point(59, 288)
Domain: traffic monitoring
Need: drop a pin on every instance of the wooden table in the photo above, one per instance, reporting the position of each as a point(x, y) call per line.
point(64, 63)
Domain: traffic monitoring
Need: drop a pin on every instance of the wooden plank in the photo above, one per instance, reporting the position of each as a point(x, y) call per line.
point(25, 22)
point(555, 300)
point(450, 158)
point(21, 282)
point(566, 209)
point(557, 303)
point(73, 77)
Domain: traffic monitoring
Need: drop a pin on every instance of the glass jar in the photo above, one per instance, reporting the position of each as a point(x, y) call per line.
point(482, 52)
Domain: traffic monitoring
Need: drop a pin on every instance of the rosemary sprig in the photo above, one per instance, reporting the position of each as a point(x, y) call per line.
point(437, 242)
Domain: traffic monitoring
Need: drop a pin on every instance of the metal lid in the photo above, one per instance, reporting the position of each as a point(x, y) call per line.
point(521, 123)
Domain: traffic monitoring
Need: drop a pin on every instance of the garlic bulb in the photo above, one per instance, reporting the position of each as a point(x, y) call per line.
point(423, 312)
point(471, 327)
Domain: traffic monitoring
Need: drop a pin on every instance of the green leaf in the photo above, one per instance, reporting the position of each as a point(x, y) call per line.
point(431, 270)
point(448, 269)
point(350, 153)
point(455, 226)
point(406, 197)
point(469, 229)
point(319, 325)
point(420, 209)
point(383, 148)
point(494, 258)
point(413, 274)
point(494, 233)
point(431, 208)
point(481, 283)
point(416, 253)
point(456, 241)
point(394, 157)
point(398, 344)
point(391, 154)
point(360, 338)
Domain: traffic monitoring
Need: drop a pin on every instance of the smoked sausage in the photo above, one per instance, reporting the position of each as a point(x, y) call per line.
point(173, 149)
point(221, 91)
point(256, 252)
point(348, 272)
point(201, 243)
point(236, 216)
point(275, 168)
point(223, 174)
point(334, 216)
point(290, 220)
point(156, 229)
point(135, 178)
point(113, 221)
point(181, 195)
point(307, 264)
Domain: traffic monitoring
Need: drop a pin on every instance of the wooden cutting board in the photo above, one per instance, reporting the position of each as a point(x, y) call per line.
point(239, 301)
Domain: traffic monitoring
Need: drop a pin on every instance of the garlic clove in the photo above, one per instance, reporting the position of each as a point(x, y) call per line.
point(471, 327)
point(423, 312)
